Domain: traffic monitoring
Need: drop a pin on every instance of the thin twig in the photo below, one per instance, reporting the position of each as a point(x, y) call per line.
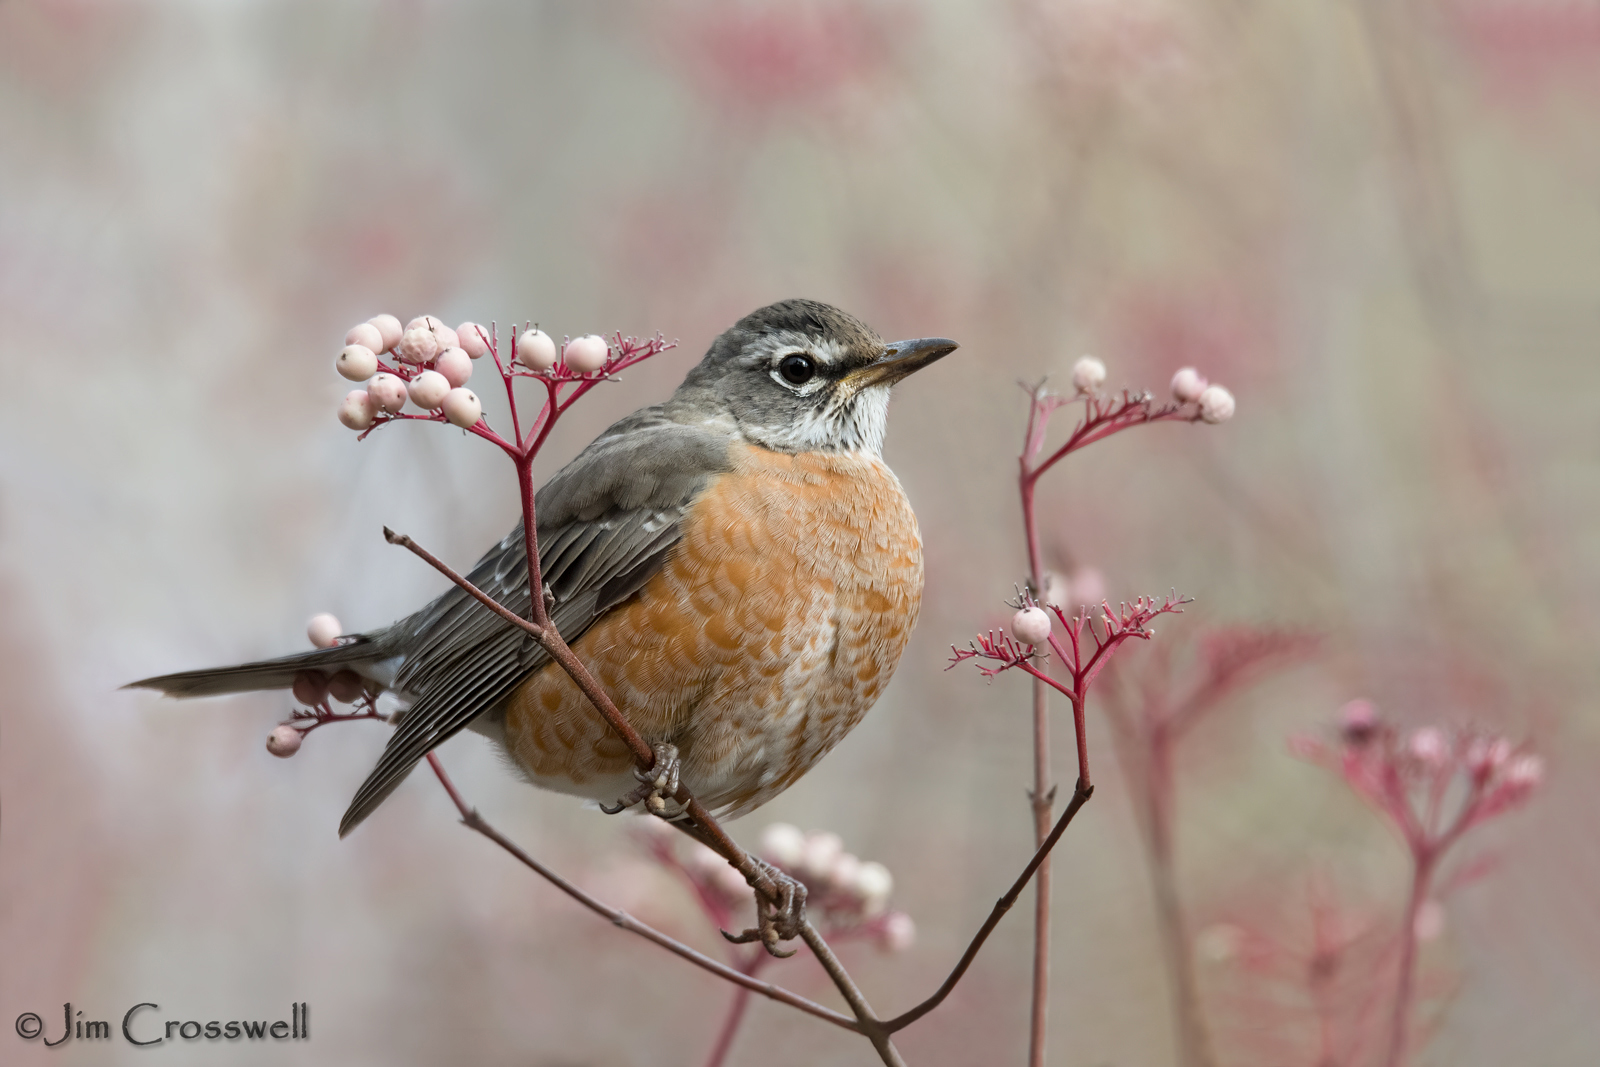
point(1080, 796)
point(473, 821)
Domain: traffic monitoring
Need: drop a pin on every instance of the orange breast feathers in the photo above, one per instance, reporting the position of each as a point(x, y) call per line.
point(770, 631)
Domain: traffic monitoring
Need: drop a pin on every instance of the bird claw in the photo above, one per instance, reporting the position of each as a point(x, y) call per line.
point(656, 786)
point(775, 924)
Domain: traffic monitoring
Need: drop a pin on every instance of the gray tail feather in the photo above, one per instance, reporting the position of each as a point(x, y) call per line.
point(266, 674)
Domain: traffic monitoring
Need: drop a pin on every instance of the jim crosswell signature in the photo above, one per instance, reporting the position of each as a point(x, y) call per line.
point(143, 1025)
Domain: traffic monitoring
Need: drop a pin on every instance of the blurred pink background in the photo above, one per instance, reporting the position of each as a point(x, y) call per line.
point(1377, 222)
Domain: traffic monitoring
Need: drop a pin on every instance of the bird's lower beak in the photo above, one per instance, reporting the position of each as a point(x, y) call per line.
point(901, 359)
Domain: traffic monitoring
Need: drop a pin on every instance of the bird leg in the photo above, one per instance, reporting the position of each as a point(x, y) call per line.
point(656, 786)
point(775, 923)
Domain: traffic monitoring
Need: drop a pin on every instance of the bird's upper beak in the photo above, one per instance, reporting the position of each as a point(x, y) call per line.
point(901, 359)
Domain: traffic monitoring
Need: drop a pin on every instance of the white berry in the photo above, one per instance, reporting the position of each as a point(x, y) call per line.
point(388, 330)
point(358, 410)
point(323, 630)
point(1031, 626)
point(783, 844)
point(417, 346)
point(284, 741)
point(462, 407)
point(429, 389)
point(388, 391)
point(536, 351)
point(357, 362)
point(1187, 385)
point(1216, 404)
point(874, 883)
point(455, 365)
point(1088, 374)
point(366, 335)
point(474, 339)
point(585, 355)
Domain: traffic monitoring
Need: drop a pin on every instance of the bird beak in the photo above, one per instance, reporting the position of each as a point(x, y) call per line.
point(901, 359)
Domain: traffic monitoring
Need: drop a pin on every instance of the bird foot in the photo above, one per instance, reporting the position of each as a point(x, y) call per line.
point(656, 786)
point(775, 924)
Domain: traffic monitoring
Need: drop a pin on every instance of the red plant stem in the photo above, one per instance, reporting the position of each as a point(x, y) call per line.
point(1405, 982)
point(474, 821)
point(530, 539)
point(1043, 795)
point(735, 1014)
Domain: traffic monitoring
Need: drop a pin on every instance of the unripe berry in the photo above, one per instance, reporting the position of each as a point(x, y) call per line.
point(366, 335)
point(358, 410)
point(357, 362)
point(1216, 404)
point(310, 688)
point(821, 850)
point(842, 875)
point(429, 389)
point(417, 346)
point(474, 339)
point(1187, 385)
point(388, 391)
point(1428, 746)
point(462, 407)
point(1031, 626)
point(455, 365)
point(1088, 374)
point(284, 741)
point(536, 351)
point(585, 355)
point(346, 687)
point(323, 630)
point(388, 329)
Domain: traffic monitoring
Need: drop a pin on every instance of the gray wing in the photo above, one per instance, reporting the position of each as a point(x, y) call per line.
point(607, 523)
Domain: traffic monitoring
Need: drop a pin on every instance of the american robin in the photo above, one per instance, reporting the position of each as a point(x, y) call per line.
point(737, 566)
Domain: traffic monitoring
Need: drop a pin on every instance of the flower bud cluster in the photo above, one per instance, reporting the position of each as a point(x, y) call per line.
point(430, 368)
point(1406, 773)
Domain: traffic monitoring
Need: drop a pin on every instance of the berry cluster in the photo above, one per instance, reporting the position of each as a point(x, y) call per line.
point(432, 364)
point(1213, 402)
point(849, 896)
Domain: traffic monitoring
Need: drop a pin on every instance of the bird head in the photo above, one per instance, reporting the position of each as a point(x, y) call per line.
point(801, 376)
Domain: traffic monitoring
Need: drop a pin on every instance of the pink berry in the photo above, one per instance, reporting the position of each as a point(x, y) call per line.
point(1031, 626)
point(1358, 721)
point(1216, 404)
point(822, 849)
point(284, 741)
point(429, 389)
point(474, 339)
point(366, 335)
point(417, 346)
point(899, 932)
point(389, 332)
point(455, 365)
point(585, 355)
point(1187, 385)
point(1428, 746)
point(323, 630)
point(1088, 374)
point(358, 410)
point(357, 362)
point(462, 407)
point(388, 391)
point(536, 351)
point(310, 688)
point(346, 687)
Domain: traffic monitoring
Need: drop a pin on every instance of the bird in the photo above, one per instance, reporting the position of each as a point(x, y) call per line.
point(737, 566)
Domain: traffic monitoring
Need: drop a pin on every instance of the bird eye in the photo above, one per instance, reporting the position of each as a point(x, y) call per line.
point(797, 369)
